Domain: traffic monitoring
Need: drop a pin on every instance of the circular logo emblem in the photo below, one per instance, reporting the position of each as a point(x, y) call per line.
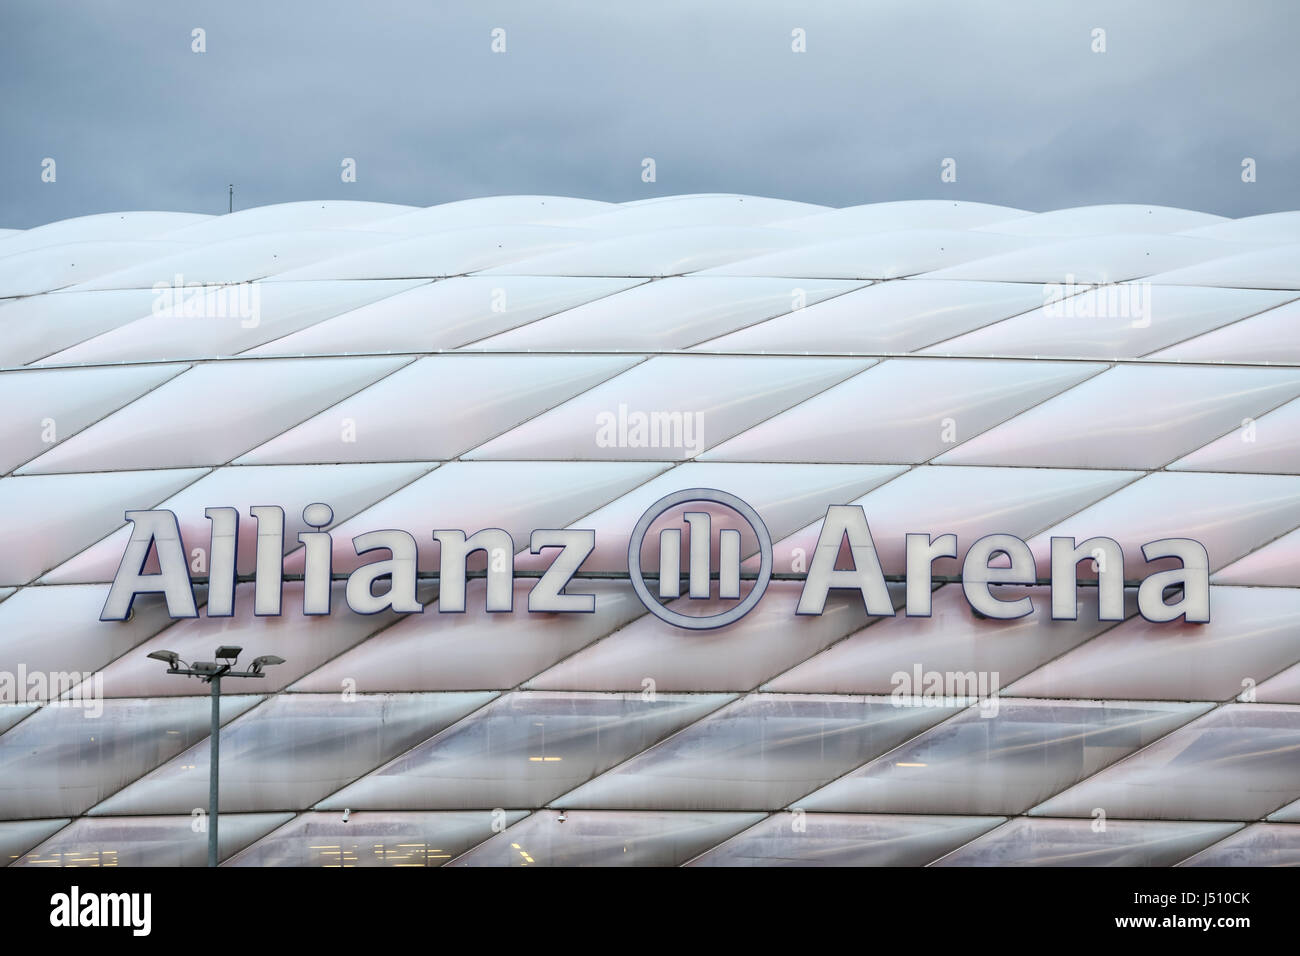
point(700, 622)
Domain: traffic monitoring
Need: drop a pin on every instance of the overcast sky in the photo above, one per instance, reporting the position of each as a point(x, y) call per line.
point(712, 91)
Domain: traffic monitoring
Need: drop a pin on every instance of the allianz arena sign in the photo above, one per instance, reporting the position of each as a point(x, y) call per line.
point(992, 560)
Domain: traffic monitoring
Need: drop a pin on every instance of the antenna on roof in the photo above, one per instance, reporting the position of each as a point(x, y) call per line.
point(231, 208)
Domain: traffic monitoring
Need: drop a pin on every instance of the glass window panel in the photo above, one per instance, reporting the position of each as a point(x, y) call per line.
point(523, 750)
point(64, 760)
point(1025, 842)
point(148, 841)
point(294, 750)
point(19, 836)
point(761, 752)
point(1200, 771)
point(847, 839)
point(596, 838)
point(388, 838)
point(1261, 844)
point(1001, 756)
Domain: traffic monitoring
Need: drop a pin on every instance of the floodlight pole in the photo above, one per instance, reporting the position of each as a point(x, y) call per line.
point(215, 737)
point(212, 672)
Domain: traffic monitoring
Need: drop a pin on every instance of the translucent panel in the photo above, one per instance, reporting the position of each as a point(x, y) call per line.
point(1001, 758)
point(11, 714)
point(1271, 227)
point(1026, 842)
point(710, 209)
point(237, 260)
point(735, 657)
point(225, 320)
point(476, 649)
point(967, 502)
point(905, 214)
point(1283, 688)
point(1123, 320)
point(476, 397)
point(19, 836)
point(346, 488)
point(1261, 844)
point(523, 750)
point(847, 839)
point(1288, 814)
point(593, 838)
point(1271, 334)
point(293, 750)
point(470, 496)
point(1131, 416)
point(55, 516)
point(286, 216)
point(237, 406)
point(672, 314)
point(787, 497)
point(669, 408)
point(1261, 268)
point(908, 421)
point(1107, 220)
point(63, 760)
point(111, 226)
point(1239, 762)
point(466, 213)
point(305, 643)
point(374, 839)
point(444, 314)
point(1229, 514)
point(1111, 258)
point(450, 253)
point(38, 326)
point(149, 841)
point(1250, 636)
point(885, 317)
point(761, 752)
point(1271, 444)
point(83, 643)
point(882, 255)
point(45, 407)
point(57, 267)
point(896, 655)
point(665, 252)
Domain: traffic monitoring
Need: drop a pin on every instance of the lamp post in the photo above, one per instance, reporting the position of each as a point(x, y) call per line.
point(211, 672)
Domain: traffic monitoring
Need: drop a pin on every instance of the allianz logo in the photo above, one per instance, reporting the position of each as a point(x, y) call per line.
point(991, 561)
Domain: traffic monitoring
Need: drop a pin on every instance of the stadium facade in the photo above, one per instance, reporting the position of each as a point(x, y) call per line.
point(709, 530)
